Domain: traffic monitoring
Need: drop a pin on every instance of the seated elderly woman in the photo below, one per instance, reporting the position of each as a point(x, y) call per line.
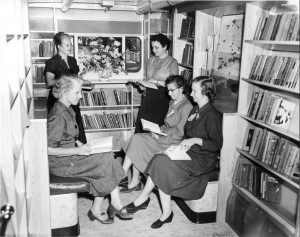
point(143, 146)
point(67, 159)
point(203, 141)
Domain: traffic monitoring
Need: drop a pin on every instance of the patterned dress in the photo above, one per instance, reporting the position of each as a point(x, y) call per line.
point(142, 146)
point(184, 178)
point(155, 103)
point(102, 171)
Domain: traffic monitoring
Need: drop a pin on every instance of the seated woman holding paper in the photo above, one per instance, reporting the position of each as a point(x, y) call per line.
point(67, 159)
point(143, 146)
point(202, 141)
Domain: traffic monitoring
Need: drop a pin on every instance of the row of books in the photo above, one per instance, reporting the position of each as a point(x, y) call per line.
point(256, 181)
point(270, 108)
point(277, 70)
point(107, 120)
point(279, 27)
point(98, 98)
point(37, 73)
point(188, 55)
point(277, 152)
point(46, 49)
point(187, 74)
point(187, 28)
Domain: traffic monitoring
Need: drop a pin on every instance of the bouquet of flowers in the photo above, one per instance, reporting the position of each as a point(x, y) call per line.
point(104, 58)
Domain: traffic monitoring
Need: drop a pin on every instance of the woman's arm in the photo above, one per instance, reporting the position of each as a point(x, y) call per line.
point(83, 150)
point(50, 79)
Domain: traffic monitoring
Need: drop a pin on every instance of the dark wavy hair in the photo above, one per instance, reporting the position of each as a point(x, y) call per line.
point(58, 37)
point(179, 81)
point(64, 84)
point(208, 86)
point(162, 39)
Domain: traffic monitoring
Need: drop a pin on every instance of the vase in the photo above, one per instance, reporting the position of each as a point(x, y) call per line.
point(91, 76)
point(105, 74)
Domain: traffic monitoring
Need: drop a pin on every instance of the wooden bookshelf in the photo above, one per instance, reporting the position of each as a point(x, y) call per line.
point(283, 214)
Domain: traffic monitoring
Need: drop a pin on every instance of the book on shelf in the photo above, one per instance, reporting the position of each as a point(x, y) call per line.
point(279, 27)
point(187, 27)
point(152, 127)
point(103, 97)
point(272, 189)
point(248, 137)
point(177, 153)
point(283, 114)
point(88, 86)
point(256, 140)
point(101, 145)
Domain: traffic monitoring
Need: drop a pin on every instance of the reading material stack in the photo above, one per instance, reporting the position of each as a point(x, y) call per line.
point(262, 140)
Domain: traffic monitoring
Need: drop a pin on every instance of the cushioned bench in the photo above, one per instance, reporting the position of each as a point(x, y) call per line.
point(203, 210)
point(63, 202)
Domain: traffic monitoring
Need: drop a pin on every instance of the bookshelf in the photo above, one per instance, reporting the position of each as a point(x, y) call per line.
point(285, 214)
point(23, 158)
point(195, 38)
point(111, 114)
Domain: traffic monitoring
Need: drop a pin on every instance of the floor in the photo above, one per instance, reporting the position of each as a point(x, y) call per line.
point(140, 225)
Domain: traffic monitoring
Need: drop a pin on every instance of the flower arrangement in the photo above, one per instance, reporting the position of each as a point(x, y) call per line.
point(104, 56)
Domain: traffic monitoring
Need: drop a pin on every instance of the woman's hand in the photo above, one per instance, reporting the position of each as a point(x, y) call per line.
point(187, 143)
point(84, 150)
point(154, 135)
point(140, 85)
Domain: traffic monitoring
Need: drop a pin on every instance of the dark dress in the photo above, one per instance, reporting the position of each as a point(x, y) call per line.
point(102, 171)
point(155, 103)
point(58, 67)
point(183, 178)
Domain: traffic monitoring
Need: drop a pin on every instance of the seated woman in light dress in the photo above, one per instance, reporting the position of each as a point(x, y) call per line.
point(143, 146)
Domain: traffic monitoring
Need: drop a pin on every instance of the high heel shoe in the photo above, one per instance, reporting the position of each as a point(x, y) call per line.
point(157, 224)
point(131, 208)
point(137, 187)
point(122, 213)
point(93, 217)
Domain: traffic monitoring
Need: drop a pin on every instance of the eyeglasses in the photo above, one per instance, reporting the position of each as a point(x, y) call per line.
point(172, 90)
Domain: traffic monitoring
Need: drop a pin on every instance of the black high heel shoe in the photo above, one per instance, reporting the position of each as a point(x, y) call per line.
point(137, 187)
point(157, 224)
point(93, 217)
point(131, 208)
point(122, 213)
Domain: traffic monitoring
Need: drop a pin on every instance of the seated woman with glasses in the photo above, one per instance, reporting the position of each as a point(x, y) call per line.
point(143, 146)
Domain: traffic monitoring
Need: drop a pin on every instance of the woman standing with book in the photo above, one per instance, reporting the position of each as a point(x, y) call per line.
point(155, 103)
point(143, 146)
point(63, 64)
point(69, 159)
point(203, 141)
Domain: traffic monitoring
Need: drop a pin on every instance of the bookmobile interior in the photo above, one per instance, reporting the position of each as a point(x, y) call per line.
point(250, 48)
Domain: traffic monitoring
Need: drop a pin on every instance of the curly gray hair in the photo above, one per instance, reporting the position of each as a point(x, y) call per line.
point(65, 84)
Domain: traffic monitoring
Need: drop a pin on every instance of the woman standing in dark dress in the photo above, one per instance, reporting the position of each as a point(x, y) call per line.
point(203, 141)
point(155, 103)
point(67, 159)
point(63, 64)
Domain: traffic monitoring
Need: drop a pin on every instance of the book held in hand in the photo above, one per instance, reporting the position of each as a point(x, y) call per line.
point(146, 84)
point(101, 145)
point(152, 127)
point(177, 153)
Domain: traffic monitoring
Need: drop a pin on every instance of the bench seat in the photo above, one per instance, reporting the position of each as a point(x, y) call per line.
point(63, 202)
point(203, 210)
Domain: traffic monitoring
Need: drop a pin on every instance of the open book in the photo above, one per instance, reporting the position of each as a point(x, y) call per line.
point(146, 84)
point(88, 86)
point(101, 145)
point(152, 127)
point(177, 153)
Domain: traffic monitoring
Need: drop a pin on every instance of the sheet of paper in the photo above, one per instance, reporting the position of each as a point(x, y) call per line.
point(148, 84)
point(177, 153)
point(152, 127)
point(101, 145)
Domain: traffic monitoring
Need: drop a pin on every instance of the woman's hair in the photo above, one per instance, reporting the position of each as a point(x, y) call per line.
point(208, 86)
point(58, 37)
point(65, 84)
point(179, 81)
point(162, 39)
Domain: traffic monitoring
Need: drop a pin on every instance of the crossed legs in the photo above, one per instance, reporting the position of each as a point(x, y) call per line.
point(135, 172)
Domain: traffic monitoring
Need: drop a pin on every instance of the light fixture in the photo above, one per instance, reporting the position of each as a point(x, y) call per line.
point(107, 4)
